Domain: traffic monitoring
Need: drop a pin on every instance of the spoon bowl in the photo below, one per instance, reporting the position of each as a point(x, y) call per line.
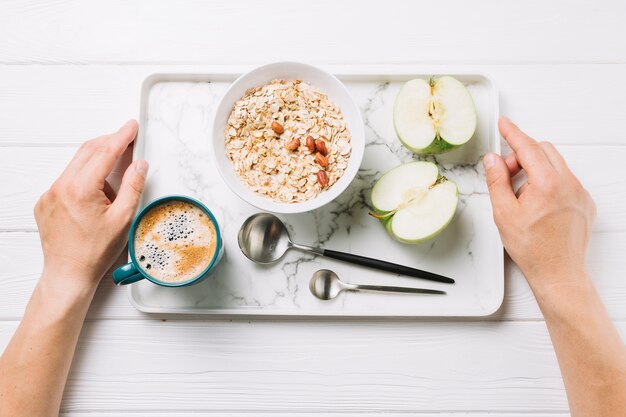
point(263, 238)
point(325, 284)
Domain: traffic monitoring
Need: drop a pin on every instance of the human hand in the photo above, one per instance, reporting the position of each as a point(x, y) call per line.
point(545, 226)
point(82, 222)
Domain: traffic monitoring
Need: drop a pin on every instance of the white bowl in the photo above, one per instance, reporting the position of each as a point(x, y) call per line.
point(318, 78)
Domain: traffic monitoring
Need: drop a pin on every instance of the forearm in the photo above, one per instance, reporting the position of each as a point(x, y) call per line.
point(590, 352)
point(35, 364)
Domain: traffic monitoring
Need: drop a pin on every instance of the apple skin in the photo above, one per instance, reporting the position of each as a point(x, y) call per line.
point(437, 146)
point(386, 222)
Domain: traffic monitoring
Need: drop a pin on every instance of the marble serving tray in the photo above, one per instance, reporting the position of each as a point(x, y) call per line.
point(176, 115)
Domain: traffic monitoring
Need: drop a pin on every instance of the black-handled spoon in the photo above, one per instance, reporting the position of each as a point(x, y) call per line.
point(263, 238)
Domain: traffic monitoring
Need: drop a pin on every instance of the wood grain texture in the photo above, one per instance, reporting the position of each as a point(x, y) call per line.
point(354, 31)
point(68, 104)
point(313, 366)
point(22, 260)
point(26, 174)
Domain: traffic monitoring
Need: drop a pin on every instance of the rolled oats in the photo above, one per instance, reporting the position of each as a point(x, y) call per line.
point(261, 133)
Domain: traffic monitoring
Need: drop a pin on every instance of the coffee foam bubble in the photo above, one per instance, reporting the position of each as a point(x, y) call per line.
point(175, 241)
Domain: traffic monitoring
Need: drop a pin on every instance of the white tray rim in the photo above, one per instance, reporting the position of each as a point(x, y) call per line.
point(344, 73)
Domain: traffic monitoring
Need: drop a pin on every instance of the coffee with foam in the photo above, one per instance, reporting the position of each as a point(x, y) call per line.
point(175, 241)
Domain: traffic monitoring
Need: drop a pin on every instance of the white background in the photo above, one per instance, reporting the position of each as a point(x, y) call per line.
point(71, 70)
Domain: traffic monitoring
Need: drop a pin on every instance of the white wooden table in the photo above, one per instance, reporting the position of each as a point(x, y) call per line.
point(71, 70)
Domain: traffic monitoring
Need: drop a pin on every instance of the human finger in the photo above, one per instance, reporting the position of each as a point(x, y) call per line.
point(80, 157)
point(499, 182)
point(109, 191)
point(521, 190)
point(133, 182)
point(106, 151)
point(528, 153)
point(512, 164)
point(555, 157)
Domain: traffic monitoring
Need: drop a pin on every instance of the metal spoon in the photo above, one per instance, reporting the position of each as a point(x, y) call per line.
point(263, 238)
point(326, 285)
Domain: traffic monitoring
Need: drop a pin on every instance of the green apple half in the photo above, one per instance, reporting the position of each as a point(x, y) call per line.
point(435, 116)
point(414, 202)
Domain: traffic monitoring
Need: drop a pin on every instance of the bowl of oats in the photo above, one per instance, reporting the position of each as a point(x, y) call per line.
point(288, 137)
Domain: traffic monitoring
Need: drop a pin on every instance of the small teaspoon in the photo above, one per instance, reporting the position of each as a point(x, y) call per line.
point(326, 285)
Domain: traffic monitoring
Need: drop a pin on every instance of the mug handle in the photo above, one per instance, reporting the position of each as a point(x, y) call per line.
point(126, 274)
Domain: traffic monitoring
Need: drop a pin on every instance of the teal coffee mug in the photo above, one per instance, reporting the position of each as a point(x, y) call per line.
point(176, 235)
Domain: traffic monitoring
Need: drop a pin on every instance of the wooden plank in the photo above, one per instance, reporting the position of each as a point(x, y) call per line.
point(69, 104)
point(314, 366)
point(25, 173)
point(61, 105)
point(21, 258)
point(594, 167)
point(605, 261)
point(244, 31)
point(299, 414)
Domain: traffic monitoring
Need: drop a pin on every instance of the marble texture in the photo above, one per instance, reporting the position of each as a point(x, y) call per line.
point(177, 114)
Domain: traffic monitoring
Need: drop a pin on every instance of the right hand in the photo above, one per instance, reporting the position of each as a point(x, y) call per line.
point(545, 226)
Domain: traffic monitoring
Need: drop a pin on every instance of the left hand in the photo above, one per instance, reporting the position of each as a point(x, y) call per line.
point(82, 224)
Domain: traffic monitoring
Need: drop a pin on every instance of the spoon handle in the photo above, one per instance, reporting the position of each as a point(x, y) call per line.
point(386, 266)
point(385, 288)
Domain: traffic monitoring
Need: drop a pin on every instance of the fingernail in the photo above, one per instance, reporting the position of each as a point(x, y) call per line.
point(128, 123)
point(506, 119)
point(489, 160)
point(125, 125)
point(141, 167)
